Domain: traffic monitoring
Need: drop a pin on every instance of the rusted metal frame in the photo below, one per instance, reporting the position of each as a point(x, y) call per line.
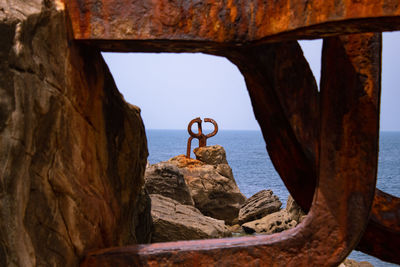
point(277, 77)
point(341, 204)
point(279, 65)
point(377, 250)
point(219, 21)
point(200, 136)
point(331, 26)
point(382, 236)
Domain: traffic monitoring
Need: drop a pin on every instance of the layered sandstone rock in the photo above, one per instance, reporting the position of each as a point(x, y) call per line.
point(294, 210)
point(274, 220)
point(272, 223)
point(73, 153)
point(212, 155)
point(353, 263)
point(174, 221)
point(258, 206)
point(212, 187)
point(166, 179)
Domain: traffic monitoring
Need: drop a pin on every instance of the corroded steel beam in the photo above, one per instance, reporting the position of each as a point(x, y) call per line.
point(228, 21)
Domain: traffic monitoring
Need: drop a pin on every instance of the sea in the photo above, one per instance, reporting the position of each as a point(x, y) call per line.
point(253, 171)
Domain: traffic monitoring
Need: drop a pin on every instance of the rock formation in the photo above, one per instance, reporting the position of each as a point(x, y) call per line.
point(73, 152)
point(212, 155)
point(166, 179)
point(212, 187)
point(259, 205)
point(174, 185)
point(294, 210)
point(174, 221)
point(273, 223)
point(353, 263)
point(143, 221)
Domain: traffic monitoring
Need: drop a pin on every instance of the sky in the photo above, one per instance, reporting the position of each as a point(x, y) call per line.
point(171, 89)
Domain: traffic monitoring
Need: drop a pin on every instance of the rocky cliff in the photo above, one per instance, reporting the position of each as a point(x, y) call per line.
point(73, 153)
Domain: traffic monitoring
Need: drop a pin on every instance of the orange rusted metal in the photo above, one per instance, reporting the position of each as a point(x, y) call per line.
point(323, 145)
point(217, 21)
point(292, 131)
point(336, 220)
point(202, 137)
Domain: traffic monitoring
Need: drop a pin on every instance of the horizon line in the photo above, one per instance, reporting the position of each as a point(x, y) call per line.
point(398, 130)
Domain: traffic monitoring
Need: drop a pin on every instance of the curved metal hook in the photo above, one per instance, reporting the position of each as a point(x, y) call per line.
point(215, 127)
point(198, 121)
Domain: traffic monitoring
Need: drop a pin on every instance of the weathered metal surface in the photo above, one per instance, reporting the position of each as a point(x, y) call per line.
point(285, 101)
point(219, 21)
point(259, 38)
point(382, 236)
point(199, 135)
point(340, 209)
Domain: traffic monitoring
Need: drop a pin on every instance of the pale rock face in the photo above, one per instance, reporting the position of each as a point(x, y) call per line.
point(212, 187)
point(294, 210)
point(258, 206)
point(353, 263)
point(73, 153)
point(273, 223)
point(212, 155)
point(174, 221)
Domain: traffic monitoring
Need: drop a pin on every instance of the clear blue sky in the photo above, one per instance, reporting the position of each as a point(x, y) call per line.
point(172, 89)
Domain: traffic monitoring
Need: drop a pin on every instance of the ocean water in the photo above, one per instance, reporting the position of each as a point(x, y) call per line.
point(253, 170)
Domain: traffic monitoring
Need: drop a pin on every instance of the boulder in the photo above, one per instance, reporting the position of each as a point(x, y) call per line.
point(166, 179)
point(353, 263)
point(174, 221)
point(258, 206)
point(294, 210)
point(212, 155)
point(73, 152)
point(212, 187)
point(273, 223)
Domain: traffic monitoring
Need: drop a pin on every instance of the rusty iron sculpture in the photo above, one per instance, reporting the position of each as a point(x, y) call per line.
point(323, 144)
point(199, 135)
